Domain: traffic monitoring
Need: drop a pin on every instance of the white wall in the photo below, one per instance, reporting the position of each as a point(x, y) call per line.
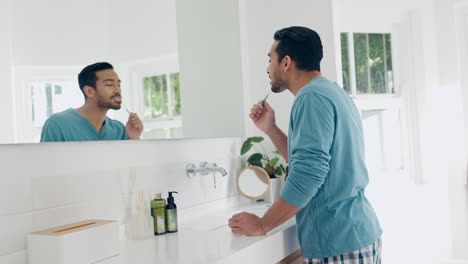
point(452, 89)
point(54, 32)
point(141, 29)
point(89, 180)
point(462, 36)
point(6, 106)
point(211, 96)
point(383, 13)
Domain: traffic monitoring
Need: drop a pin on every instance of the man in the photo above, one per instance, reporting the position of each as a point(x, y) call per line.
point(100, 85)
point(325, 152)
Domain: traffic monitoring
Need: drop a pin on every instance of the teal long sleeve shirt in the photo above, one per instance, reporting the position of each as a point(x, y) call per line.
point(327, 174)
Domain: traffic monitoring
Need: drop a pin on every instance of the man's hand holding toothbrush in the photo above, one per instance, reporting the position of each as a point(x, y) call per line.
point(134, 126)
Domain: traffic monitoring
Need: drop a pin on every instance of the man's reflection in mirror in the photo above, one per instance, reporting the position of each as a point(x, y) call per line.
point(100, 85)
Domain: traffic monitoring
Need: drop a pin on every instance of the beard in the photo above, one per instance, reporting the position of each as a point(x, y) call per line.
point(277, 88)
point(109, 104)
point(277, 85)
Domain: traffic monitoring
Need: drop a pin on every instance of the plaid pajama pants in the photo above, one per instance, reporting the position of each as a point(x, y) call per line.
point(368, 255)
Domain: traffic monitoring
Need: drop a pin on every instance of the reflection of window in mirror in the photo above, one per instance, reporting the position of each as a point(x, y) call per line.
point(161, 102)
point(40, 92)
point(157, 96)
point(162, 105)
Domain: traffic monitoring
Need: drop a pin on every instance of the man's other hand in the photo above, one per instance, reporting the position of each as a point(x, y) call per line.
point(246, 224)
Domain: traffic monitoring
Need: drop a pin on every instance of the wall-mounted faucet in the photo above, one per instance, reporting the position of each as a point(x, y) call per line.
point(204, 169)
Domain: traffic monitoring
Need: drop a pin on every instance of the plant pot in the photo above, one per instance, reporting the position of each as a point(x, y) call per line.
point(275, 188)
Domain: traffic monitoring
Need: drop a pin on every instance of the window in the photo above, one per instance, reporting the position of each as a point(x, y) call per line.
point(367, 63)
point(159, 101)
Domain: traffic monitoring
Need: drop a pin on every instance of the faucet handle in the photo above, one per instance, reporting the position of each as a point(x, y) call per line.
point(190, 170)
point(210, 165)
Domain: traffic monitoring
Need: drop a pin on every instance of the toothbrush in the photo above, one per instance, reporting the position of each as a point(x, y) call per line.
point(124, 105)
point(263, 101)
point(126, 108)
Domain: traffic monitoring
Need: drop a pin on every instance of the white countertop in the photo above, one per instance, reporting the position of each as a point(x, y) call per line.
point(207, 239)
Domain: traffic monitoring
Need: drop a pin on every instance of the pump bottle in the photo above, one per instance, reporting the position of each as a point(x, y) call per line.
point(171, 214)
point(158, 208)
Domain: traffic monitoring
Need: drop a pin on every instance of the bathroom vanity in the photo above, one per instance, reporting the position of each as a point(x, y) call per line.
point(206, 238)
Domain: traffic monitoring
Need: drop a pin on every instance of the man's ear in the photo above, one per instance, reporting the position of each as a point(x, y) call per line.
point(287, 63)
point(89, 91)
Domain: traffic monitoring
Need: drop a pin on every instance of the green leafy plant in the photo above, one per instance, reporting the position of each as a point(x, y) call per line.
point(273, 166)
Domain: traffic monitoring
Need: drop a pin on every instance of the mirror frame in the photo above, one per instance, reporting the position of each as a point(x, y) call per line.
point(263, 172)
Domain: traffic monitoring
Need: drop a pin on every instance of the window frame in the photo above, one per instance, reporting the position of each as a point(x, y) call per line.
point(352, 66)
point(137, 71)
point(23, 76)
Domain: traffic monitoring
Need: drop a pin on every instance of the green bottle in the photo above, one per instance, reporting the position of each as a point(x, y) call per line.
point(158, 212)
point(171, 214)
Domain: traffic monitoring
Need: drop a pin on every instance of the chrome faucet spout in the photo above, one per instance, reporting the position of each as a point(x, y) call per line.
point(204, 169)
point(223, 172)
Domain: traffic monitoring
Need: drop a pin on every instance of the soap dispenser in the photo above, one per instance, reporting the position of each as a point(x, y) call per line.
point(158, 208)
point(171, 214)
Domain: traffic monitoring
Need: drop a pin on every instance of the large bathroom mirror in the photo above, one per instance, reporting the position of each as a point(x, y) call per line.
point(253, 182)
point(180, 78)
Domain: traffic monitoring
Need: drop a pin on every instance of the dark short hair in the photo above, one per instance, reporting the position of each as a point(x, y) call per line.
point(87, 76)
point(302, 44)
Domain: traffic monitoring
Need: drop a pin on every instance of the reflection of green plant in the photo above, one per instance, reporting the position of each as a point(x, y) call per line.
point(272, 166)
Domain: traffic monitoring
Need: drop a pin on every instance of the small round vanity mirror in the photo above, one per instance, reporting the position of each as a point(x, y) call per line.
point(253, 182)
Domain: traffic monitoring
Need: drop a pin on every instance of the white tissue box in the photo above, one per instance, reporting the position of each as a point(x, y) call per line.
point(84, 242)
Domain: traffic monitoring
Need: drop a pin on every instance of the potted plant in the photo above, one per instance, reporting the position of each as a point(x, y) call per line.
point(272, 166)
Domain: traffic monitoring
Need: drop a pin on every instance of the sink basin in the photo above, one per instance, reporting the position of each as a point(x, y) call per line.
point(218, 219)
